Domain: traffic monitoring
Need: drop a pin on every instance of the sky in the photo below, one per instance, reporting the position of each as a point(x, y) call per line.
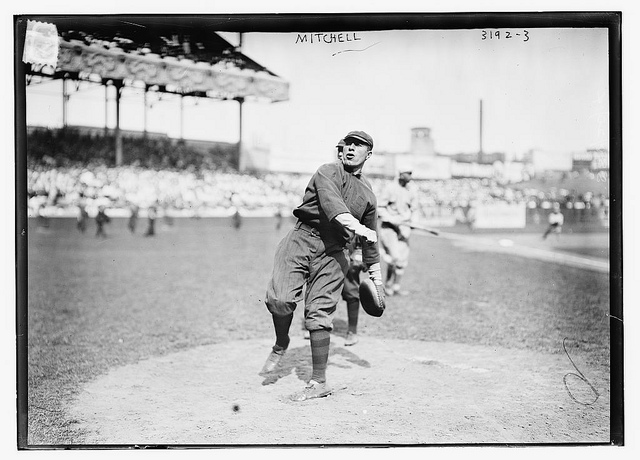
point(541, 89)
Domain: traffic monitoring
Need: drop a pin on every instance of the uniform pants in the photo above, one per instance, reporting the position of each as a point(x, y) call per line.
point(302, 257)
point(351, 288)
point(397, 249)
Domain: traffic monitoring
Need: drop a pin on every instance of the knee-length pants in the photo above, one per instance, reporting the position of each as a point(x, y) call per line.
point(304, 257)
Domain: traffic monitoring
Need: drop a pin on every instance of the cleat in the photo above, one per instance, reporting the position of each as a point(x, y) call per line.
point(272, 361)
point(352, 339)
point(311, 391)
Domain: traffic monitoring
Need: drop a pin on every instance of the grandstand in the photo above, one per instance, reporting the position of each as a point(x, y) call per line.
point(159, 54)
point(70, 167)
point(76, 166)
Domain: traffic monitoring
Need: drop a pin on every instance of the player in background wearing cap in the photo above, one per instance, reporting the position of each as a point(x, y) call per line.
point(338, 203)
point(397, 205)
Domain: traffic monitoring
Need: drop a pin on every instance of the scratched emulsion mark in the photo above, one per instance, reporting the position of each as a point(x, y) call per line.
point(580, 376)
point(346, 51)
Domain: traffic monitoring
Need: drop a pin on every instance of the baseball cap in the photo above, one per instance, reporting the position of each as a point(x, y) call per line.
point(341, 143)
point(362, 136)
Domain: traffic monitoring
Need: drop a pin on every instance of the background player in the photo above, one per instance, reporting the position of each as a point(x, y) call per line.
point(338, 202)
point(397, 205)
point(350, 290)
point(556, 220)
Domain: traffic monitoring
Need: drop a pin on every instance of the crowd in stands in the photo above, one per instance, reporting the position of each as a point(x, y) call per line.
point(70, 146)
point(183, 180)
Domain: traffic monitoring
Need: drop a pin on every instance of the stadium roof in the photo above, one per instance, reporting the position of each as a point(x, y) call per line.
point(167, 55)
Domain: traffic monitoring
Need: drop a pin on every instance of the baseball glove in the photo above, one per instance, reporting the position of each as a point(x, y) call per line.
point(372, 297)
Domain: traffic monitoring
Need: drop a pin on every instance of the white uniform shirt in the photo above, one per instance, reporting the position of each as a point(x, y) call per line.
point(556, 218)
point(397, 204)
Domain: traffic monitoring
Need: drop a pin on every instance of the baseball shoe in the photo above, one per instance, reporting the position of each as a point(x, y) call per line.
point(306, 335)
point(311, 391)
point(352, 339)
point(272, 361)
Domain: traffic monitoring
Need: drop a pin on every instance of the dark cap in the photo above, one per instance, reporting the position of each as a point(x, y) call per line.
point(362, 136)
point(341, 143)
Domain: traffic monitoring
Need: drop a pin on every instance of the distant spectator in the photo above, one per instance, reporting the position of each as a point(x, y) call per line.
point(101, 219)
point(42, 219)
point(133, 218)
point(83, 217)
point(166, 215)
point(471, 216)
point(237, 219)
point(151, 219)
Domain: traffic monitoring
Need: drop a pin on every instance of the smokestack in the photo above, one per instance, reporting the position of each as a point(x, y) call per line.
point(480, 153)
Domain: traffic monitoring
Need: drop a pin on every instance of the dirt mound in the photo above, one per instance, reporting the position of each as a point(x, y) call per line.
point(388, 392)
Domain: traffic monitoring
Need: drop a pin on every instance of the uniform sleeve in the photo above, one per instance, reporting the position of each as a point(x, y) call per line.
point(370, 251)
point(328, 182)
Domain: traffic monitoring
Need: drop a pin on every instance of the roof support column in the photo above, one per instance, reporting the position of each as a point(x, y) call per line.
point(146, 107)
point(65, 102)
point(181, 116)
point(106, 108)
point(118, 135)
point(241, 156)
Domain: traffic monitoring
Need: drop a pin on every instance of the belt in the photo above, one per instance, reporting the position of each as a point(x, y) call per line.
point(307, 228)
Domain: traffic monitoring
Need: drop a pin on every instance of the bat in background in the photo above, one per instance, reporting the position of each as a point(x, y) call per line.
point(425, 229)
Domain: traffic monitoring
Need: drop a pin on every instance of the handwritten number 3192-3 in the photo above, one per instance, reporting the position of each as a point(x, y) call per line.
point(506, 34)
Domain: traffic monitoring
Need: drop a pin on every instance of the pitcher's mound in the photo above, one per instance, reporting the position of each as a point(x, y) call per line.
point(387, 392)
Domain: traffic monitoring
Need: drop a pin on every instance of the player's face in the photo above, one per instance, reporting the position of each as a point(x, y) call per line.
point(355, 153)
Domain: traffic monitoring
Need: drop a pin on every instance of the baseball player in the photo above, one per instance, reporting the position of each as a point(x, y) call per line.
point(350, 290)
point(306, 335)
point(338, 203)
point(556, 220)
point(397, 205)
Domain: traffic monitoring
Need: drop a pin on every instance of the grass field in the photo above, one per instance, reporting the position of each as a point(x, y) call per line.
point(95, 304)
